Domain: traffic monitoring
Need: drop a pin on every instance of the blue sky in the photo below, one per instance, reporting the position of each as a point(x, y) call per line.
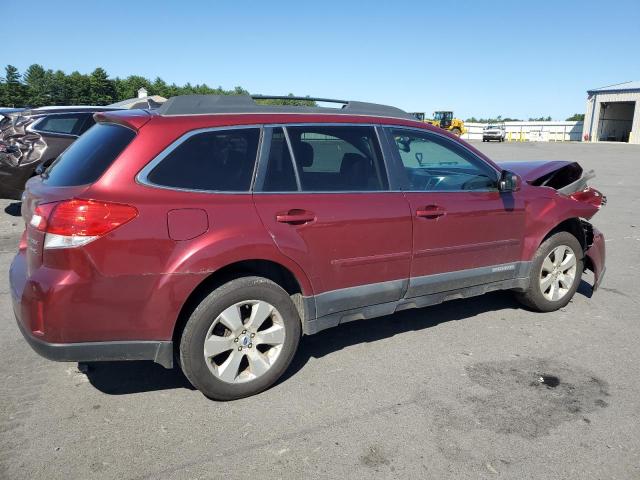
point(479, 58)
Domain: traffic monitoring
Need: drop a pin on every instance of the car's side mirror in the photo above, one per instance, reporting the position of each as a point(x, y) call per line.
point(40, 169)
point(509, 182)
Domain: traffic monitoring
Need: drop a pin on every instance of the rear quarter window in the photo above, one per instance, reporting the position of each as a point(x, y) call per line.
point(89, 156)
point(68, 124)
point(219, 160)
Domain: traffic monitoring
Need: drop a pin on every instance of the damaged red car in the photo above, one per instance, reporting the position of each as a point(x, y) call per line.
point(214, 231)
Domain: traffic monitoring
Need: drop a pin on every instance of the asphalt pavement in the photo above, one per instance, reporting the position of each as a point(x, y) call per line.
point(475, 388)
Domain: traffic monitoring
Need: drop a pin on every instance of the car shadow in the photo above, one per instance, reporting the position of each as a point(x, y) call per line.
point(120, 378)
point(13, 209)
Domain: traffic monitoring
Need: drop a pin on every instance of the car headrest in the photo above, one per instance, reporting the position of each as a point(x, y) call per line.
point(351, 161)
point(304, 154)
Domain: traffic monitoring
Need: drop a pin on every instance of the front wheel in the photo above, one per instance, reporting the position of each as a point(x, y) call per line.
point(240, 339)
point(555, 273)
point(456, 131)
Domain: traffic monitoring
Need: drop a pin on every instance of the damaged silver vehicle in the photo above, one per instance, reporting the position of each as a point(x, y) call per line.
point(33, 137)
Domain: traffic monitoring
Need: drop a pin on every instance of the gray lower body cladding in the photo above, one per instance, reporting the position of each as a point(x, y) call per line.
point(385, 298)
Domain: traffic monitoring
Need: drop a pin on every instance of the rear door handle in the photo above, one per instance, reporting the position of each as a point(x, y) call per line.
point(295, 217)
point(431, 212)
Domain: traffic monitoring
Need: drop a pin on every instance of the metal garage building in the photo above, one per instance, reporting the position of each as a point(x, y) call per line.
point(613, 114)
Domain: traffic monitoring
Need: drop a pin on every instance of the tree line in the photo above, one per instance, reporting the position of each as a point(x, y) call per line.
point(37, 87)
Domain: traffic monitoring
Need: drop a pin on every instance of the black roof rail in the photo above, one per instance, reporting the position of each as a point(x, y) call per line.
point(291, 97)
point(218, 104)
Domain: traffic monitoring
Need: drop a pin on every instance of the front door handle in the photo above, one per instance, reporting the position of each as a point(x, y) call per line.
point(431, 212)
point(295, 217)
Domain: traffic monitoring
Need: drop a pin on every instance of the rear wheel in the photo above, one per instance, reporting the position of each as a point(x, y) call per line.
point(555, 274)
point(240, 339)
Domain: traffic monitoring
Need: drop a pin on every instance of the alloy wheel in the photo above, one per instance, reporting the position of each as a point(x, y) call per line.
point(558, 273)
point(244, 341)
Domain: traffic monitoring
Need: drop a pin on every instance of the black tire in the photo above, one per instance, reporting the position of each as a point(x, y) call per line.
point(533, 297)
point(192, 360)
point(456, 131)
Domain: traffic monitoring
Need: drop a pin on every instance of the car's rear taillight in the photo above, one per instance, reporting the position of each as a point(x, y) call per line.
point(72, 223)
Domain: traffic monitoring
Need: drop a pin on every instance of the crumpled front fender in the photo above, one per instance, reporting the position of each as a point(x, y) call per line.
point(595, 257)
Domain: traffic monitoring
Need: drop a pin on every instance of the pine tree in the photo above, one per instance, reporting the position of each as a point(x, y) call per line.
point(37, 86)
point(13, 89)
point(102, 89)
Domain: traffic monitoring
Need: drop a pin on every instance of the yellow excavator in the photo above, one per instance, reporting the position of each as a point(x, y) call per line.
point(444, 119)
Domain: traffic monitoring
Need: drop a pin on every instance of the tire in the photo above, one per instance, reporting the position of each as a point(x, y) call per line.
point(456, 131)
point(235, 367)
point(539, 296)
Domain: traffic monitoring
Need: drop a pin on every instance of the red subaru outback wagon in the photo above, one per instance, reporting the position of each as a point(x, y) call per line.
point(218, 230)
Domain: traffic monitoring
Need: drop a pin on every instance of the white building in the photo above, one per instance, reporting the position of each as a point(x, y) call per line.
point(613, 114)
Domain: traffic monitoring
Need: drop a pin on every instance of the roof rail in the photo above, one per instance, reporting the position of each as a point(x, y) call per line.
point(218, 104)
point(291, 97)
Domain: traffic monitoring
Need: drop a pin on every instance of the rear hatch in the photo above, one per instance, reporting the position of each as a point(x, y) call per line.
point(66, 179)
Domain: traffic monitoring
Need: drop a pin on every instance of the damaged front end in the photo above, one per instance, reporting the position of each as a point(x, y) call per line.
point(570, 181)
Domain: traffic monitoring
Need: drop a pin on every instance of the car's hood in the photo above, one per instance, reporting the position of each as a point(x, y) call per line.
point(530, 171)
point(565, 177)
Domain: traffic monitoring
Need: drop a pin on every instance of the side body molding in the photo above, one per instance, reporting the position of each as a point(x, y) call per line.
point(336, 307)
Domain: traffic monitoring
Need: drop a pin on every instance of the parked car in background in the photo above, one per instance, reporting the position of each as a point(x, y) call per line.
point(217, 230)
point(33, 138)
point(4, 111)
point(493, 132)
point(36, 136)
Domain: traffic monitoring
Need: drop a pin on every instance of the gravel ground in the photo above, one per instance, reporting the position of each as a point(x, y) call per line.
point(450, 391)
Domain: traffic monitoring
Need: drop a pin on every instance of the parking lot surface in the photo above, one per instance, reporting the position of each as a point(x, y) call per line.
point(475, 388)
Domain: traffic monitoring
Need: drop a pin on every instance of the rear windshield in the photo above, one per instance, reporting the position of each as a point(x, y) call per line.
point(89, 156)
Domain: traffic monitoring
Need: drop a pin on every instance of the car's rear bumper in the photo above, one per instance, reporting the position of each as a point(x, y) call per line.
point(29, 311)
point(159, 352)
point(596, 258)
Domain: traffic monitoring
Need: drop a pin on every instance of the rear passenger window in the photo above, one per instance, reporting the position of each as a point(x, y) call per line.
point(280, 176)
point(67, 124)
point(344, 158)
point(221, 160)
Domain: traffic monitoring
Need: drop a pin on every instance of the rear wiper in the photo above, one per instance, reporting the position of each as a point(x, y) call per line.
point(42, 171)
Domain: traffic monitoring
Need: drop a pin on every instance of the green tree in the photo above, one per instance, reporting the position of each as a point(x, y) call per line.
point(13, 88)
point(45, 87)
point(160, 87)
point(102, 89)
point(576, 117)
point(79, 89)
point(59, 91)
point(37, 86)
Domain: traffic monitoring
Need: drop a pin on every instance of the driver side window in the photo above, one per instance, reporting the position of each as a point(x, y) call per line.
point(436, 164)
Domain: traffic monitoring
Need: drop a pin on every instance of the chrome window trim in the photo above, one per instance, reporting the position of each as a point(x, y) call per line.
point(142, 176)
point(262, 156)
